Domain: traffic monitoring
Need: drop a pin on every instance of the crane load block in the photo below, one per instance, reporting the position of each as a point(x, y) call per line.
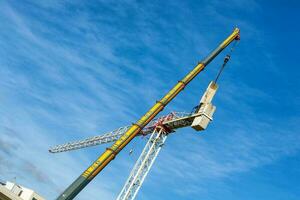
point(209, 93)
point(201, 122)
point(206, 108)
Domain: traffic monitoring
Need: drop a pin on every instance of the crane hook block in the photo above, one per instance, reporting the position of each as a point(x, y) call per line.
point(206, 108)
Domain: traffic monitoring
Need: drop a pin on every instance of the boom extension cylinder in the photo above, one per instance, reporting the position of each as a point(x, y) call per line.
point(111, 152)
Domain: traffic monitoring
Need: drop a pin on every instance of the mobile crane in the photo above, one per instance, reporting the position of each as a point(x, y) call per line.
point(159, 134)
point(159, 129)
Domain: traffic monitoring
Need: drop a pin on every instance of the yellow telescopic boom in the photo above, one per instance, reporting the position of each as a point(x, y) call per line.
point(111, 152)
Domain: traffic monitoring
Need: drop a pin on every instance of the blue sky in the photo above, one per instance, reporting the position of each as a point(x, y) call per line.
point(73, 69)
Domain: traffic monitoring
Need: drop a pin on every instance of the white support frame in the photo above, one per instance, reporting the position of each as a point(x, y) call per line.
point(178, 120)
point(143, 165)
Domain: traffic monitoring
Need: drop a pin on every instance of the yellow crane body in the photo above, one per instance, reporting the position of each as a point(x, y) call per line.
point(111, 152)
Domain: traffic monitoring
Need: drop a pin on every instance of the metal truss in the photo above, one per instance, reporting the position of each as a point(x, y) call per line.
point(143, 164)
point(171, 121)
point(92, 141)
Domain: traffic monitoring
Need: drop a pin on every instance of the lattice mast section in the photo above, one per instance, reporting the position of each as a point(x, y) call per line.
point(143, 164)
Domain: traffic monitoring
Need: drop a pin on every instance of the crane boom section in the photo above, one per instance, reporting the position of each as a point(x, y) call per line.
point(111, 152)
point(178, 120)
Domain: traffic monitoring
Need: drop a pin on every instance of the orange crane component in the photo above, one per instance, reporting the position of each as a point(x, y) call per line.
point(134, 130)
